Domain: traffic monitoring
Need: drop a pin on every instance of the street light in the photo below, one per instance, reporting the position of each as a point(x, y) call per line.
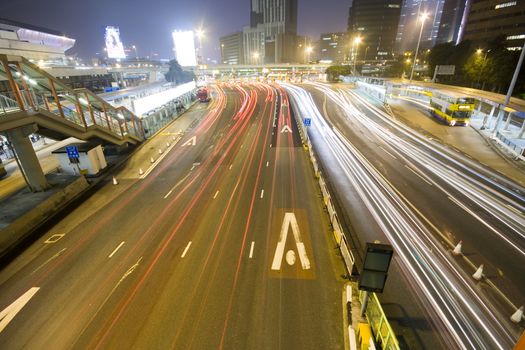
point(357, 40)
point(423, 18)
point(308, 51)
point(483, 62)
point(136, 55)
point(200, 34)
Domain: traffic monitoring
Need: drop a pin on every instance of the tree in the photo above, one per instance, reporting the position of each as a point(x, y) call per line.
point(177, 75)
point(334, 72)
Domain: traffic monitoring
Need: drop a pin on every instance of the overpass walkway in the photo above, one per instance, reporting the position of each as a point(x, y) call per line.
point(35, 101)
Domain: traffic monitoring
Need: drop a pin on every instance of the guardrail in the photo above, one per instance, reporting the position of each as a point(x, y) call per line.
point(384, 335)
point(518, 151)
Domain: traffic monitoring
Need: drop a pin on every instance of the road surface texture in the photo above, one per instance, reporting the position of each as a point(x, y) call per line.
point(221, 243)
point(397, 186)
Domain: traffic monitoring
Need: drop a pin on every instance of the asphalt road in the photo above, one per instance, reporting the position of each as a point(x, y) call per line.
point(434, 198)
point(223, 243)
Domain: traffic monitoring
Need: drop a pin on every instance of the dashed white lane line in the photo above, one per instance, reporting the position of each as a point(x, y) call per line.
point(251, 249)
point(216, 194)
point(116, 249)
point(267, 163)
point(262, 193)
point(230, 168)
point(418, 175)
point(186, 250)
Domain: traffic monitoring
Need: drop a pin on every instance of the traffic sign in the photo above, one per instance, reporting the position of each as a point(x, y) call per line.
point(72, 152)
point(307, 121)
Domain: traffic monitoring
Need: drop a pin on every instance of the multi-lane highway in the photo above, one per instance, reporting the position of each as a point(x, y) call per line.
point(398, 186)
point(221, 243)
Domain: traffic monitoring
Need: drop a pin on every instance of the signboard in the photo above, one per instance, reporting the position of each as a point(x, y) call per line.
point(184, 46)
point(114, 46)
point(375, 268)
point(446, 70)
point(307, 121)
point(72, 152)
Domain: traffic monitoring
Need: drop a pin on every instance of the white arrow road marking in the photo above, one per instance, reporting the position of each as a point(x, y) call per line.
point(290, 220)
point(190, 142)
point(10, 312)
point(286, 128)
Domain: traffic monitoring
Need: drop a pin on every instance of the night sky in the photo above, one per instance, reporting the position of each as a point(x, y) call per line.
point(148, 23)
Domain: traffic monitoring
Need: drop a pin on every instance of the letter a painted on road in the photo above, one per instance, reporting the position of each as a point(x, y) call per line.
point(290, 220)
point(7, 314)
point(286, 128)
point(191, 142)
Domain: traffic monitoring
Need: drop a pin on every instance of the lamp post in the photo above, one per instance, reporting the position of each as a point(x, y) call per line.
point(357, 40)
point(422, 18)
point(256, 57)
point(483, 62)
point(308, 51)
point(222, 54)
point(200, 34)
point(509, 92)
point(136, 55)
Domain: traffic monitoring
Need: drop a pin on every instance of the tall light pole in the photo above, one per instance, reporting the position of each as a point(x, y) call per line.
point(308, 51)
point(357, 40)
point(200, 34)
point(422, 18)
point(509, 92)
point(136, 55)
point(222, 54)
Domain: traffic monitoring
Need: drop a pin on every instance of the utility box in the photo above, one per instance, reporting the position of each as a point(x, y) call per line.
point(81, 158)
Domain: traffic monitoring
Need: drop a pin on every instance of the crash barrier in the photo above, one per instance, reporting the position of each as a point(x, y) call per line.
point(383, 333)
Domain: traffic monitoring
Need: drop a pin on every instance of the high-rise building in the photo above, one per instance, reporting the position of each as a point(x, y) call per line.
point(271, 35)
point(375, 22)
point(410, 25)
point(232, 49)
point(333, 47)
point(450, 23)
point(488, 19)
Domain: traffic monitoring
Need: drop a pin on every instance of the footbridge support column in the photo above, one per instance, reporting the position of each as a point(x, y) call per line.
point(26, 157)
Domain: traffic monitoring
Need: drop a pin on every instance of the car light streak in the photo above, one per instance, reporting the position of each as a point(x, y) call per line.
point(469, 319)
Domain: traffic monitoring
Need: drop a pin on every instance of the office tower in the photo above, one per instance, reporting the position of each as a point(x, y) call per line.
point(333, 47)
point(450, 23)
point(232, 49)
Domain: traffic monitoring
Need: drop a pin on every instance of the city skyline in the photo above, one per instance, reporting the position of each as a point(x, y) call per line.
point(216, 19)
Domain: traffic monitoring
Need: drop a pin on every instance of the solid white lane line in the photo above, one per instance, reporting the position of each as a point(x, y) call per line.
point(48, 260)
point(177, 184)
point(216, 194)
point(267, 163)
point(415, 173)
point(251, 249)
point(230, 168)
point(186, 250)
point(390, 154)
point(117, 248)
point(262, 193)
point(154, 165)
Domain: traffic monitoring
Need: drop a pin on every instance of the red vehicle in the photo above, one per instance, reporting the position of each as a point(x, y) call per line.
point(203, 95)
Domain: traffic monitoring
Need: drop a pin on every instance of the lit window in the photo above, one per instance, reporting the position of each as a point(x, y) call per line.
point(514, 48)
point(505, 4)
point(516, 37)
point(327, 38)
point(393, 6)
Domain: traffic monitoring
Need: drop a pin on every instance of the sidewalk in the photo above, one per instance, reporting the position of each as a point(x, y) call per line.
point(469, 140)
point(14, 180)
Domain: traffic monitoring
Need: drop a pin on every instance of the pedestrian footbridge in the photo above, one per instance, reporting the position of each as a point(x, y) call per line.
point(32, 100)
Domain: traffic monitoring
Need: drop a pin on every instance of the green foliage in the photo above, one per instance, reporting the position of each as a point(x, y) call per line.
point(490, 69)
point(334, 72)
point(177, 75)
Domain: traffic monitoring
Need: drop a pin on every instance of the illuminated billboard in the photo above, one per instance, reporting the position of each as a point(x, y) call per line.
point(114, 46)
point(184, 44)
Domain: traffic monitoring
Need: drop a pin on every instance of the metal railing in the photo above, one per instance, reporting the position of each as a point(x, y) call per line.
point(383, 333)
point(33, 90)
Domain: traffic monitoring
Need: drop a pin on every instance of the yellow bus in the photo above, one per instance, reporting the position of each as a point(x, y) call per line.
point(453, 109)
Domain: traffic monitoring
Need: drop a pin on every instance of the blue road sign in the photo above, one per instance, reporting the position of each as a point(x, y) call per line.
point(307, 121)
point(72, 152)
